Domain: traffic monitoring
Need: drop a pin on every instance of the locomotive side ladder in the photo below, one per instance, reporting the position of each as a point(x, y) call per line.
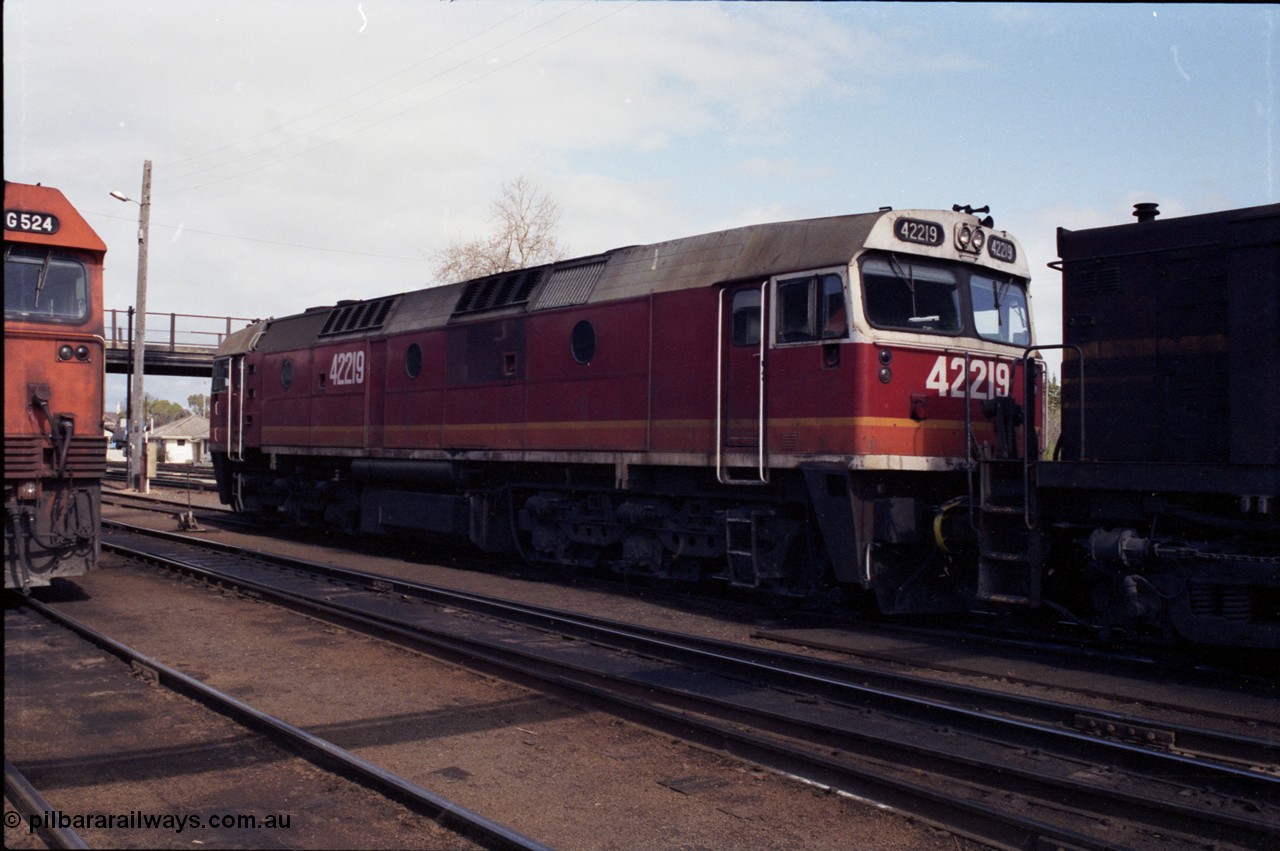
point(1009, 552)
point(1010, 541)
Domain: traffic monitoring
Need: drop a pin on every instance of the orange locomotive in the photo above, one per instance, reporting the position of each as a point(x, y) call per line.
point(54, 448)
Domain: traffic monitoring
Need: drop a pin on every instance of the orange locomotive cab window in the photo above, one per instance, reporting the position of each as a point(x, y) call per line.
point(42, 286)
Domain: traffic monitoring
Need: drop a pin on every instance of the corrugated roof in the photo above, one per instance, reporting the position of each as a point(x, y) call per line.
point(191, 427)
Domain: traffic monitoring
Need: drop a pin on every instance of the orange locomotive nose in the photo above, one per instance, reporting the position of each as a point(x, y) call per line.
point(54, 453)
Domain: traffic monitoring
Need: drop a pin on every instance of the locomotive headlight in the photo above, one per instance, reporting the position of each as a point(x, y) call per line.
point(886, 375)
point(963, 237)
point(65, 352)
point(978, 239)
point(27, 490)
point(82, 353)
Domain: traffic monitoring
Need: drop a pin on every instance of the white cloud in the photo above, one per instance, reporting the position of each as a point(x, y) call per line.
point(386, 128)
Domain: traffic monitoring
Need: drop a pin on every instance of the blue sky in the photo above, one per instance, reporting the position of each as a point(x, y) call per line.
point(310, 151)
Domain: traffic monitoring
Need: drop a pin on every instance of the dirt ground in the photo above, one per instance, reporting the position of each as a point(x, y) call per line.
point(127, 764)
point(560, 773)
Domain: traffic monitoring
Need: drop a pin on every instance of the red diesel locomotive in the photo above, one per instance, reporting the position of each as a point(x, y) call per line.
point(788, 406)
point(55, 453)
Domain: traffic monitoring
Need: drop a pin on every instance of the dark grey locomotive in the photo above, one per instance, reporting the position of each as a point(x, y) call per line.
point(1159, 506)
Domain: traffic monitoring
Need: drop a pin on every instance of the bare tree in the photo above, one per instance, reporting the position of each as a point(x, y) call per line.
point(524, 234)
point(198, 404)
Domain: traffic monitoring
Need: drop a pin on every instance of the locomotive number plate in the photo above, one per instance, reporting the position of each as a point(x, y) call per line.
point(919, 231)
point(347, 368)
point(1002, 249)
point(987, 378)
point(28, 222)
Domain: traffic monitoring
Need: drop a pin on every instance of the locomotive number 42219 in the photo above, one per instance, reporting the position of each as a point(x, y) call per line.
point(347, 368)
point(987, 378)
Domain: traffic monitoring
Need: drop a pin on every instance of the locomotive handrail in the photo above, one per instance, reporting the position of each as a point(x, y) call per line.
point(1026, 394)
point(235, 440)
point(969, 445)
point(719, 384)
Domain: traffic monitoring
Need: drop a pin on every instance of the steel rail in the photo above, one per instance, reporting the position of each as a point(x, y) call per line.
point(19, 790)
point(1182, 747)
point(970, 818)
point(1159, 812)
point(314, 749)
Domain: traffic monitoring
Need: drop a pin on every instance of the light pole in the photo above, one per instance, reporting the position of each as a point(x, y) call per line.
point(137, 411)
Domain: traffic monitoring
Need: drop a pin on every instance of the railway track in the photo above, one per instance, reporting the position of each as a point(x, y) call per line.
point(986, 765)
point(320, 752)
point(29, 801)
point(176, 476)
point(187, 514)
point(824, 630)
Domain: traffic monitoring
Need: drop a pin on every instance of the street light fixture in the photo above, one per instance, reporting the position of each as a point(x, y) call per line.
point(137, 412)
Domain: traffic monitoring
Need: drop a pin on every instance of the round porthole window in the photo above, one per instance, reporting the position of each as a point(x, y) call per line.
point(583, 342)
point(286, 374)
point(413, 360)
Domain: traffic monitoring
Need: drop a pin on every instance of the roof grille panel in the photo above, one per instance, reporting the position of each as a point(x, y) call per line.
point(571, 285)
point(357, 316)
point(506, 289)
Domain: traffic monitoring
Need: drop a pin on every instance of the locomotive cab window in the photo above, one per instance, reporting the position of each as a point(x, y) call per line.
point(44, 287)
point(1000, 310)
point(811, 308)
point(901, 293)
